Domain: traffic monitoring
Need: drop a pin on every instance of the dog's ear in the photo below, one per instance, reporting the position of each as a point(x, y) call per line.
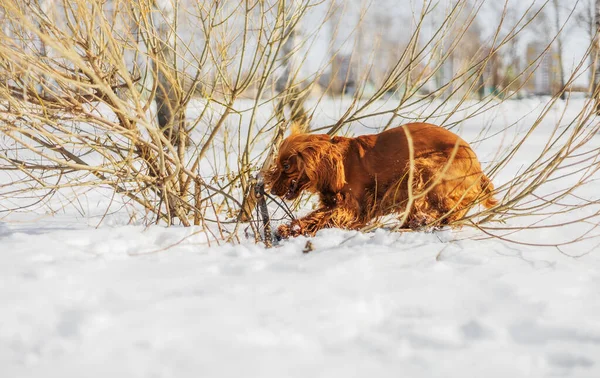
point(323, 164)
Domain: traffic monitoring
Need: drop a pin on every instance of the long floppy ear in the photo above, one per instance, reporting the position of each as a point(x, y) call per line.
point(323, 163)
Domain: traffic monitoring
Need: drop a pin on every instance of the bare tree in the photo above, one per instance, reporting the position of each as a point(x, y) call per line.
point(588, 19)
point(559, 48)
point(505, 67)
point(585, 18)
point(170, 109)
point(596, 57)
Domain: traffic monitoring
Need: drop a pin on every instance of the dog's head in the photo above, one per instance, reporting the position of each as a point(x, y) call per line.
point(306, 162)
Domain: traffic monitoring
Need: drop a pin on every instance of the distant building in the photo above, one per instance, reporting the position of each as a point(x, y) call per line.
point(545, 78)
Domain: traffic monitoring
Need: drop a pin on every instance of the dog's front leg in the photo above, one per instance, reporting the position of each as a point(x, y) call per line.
point(324, 217)
point(307, 225)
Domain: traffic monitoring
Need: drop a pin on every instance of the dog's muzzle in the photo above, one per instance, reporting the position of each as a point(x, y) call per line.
point(291, 190)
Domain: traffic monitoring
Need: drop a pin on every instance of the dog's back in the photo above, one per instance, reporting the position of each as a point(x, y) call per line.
point(424, 173)
point(423, 166)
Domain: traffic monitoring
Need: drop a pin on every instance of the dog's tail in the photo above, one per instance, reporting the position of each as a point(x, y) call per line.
point(487, 192)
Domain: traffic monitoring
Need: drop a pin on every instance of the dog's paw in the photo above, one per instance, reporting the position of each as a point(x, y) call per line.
point(286, 231)
point(296, 228)
point(283, 232)
point(421, 222)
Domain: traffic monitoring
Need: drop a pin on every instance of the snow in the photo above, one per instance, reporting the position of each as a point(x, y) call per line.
point(80, 297)
point(80, 302)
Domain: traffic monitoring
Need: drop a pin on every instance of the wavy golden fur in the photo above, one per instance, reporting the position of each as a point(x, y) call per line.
point(360, 179)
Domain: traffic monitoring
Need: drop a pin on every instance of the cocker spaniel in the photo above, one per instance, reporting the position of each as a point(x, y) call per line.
point(424, 173)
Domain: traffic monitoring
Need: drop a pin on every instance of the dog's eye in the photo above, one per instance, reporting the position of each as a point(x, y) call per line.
point(286, 166)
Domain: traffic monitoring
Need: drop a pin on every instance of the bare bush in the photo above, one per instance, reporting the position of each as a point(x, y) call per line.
point(170, 104)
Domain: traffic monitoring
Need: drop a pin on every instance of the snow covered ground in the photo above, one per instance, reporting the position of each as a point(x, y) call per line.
point(131, 301)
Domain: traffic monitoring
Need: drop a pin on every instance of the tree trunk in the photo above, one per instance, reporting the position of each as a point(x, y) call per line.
point(559, 45)
point(289, 93)
point(46, 8)
point(170, 111)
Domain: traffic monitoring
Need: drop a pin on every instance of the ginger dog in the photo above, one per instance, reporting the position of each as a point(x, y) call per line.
point(360, 179)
